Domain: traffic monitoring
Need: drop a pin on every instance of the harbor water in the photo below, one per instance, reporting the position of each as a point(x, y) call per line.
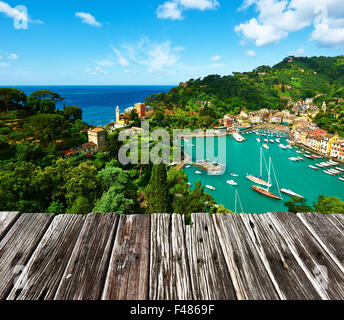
point(244, 158)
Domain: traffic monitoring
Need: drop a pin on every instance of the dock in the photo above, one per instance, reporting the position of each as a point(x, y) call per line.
point(273, 256)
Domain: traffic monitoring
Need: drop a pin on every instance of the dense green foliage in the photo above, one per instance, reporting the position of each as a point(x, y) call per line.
point(324, 204)
point(34, 176)
point(199, 102)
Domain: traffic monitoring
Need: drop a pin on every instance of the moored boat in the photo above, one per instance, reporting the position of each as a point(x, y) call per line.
point(312, 167)
point(232, 182)
point(291, 193)
point(266, 146)
point(198, 172)
point(258, 180)
point(266, 192)
point(210, 187)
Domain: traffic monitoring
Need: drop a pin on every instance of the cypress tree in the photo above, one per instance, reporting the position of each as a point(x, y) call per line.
point(157, 193)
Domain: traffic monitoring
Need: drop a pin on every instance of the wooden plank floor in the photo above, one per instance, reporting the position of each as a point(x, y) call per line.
point(275, 256)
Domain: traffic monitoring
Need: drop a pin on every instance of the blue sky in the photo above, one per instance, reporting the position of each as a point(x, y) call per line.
point(159, 41)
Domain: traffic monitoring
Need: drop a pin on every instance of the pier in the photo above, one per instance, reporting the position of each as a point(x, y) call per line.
point(273, 256)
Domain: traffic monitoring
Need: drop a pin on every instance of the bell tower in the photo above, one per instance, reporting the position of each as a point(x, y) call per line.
point(118, 115)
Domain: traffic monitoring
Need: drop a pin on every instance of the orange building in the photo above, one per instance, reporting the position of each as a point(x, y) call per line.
point(140, 109)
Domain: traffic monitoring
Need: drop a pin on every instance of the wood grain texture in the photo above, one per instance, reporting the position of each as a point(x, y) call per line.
point(17, 247)
point(285, 272)
point(169, 270)
point(49, 261)
point(328, 231)
point(249, 275)
point(85, 273)
point(128, 273)
point(318, 266)
point(7, 219)
point(210, 277)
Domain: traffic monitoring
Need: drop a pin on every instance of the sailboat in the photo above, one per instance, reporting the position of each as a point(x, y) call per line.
point(256, 179)
point(267, 192)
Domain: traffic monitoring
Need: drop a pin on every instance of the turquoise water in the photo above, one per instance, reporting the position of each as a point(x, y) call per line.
point(244, 158)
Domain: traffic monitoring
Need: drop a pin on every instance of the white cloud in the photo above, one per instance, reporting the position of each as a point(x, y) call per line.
point(173, 9)
point(121, 60)
point(4, 64)
point(169, 10)
point(156, 57)
point(97, 71)
point(262, 34)
point(299, 52)
point(216, 58)
point(13, 56)
point(105, 63)
point(15, 13)
point(329, 32)
point(161, 56)
point(12, 12)
point(250, 53)
point(199, 4)
point(88, 19)
point(277, 18)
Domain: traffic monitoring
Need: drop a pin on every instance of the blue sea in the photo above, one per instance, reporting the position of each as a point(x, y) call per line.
point(99, 102)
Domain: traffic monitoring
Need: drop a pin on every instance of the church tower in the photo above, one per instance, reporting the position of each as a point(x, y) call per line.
point(324, 107)
point(118, 115)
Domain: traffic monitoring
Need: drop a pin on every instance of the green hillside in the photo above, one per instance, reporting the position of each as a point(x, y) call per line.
point(292, 79)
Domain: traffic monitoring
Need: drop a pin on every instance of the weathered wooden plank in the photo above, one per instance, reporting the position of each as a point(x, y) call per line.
point(169, 270)
point(319, 267)
point(17, 247)
point(339, 218)
point(249, 275)
point(7, 219)
point(48, 263)
point(210, 277)
point(85, 273)
point(329, 233)
point(285, 272)
point(128, 273)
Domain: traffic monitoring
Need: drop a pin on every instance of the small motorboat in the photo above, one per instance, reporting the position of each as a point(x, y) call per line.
point(282, 146)
point(291, 193)
point(198, 172)
point(314, 168)
point(210, 187)
point(232, 182)
point(234, 175)
point(266, 146)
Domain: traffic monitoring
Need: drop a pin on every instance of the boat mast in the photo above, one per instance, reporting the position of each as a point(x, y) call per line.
point(269, 180)
point(261, 162)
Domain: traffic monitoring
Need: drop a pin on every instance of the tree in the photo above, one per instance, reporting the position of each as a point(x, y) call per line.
point(11, 99)
point(82, 183)
point(45, 127)
point(329, 205)
point(56, 208)
point(157, 193)
point(72, 113)
point(134, 117)
point(29, 152)
point(297, 205)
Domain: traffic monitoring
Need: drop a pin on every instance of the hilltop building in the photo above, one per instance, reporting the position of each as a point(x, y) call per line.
point(98, 137)
point(121, 119)
point(140, 109)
